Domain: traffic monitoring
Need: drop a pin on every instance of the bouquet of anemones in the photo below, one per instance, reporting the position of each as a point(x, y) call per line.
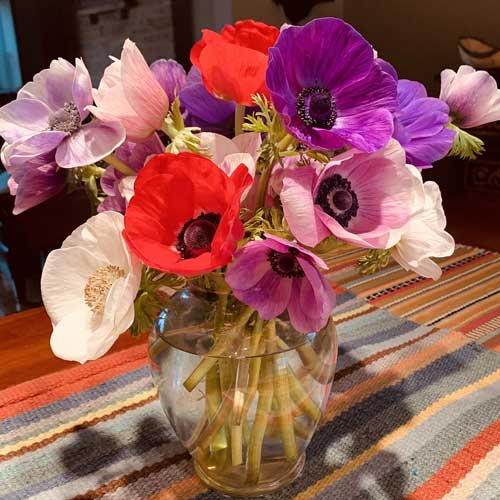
point(244, 177)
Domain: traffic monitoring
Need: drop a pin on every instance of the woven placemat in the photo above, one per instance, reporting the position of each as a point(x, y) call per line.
point(414, 413)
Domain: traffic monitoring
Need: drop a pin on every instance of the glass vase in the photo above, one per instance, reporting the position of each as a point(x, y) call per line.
point(243, 395)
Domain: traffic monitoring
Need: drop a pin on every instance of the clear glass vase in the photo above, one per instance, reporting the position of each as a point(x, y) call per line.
point(244, 396)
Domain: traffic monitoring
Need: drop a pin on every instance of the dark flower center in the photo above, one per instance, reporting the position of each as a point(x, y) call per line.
point(66, 119)
point(336, 197)
point(316, 107)
point(286, 264)
point(197, 234)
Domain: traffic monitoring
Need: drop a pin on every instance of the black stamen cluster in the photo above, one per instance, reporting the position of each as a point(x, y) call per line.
point(325, 115)
point(197, 234)
point(324, 199)
point(286, 264)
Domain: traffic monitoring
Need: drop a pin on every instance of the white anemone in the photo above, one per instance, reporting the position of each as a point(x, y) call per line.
point(88, 289)
point(424, 236)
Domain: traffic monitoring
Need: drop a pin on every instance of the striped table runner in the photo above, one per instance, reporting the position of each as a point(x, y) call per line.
point(414, 414)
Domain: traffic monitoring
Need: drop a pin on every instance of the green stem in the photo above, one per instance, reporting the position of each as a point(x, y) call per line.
point(260, 423)
point(214, 400)
point(118, 164)
point(282, 394)
point(239, 116)
point(257, 348)
point(301, 398)
point(219, 348)
point(263, 186)
point(284, 143)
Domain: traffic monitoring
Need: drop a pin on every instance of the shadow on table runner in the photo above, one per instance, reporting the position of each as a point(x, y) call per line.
point(408, 399)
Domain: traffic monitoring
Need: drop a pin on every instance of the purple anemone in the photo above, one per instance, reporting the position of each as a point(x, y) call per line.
point(275, 274)
point(328, 89)
point(48, 116)
point(420, 125)
point(32, 181)
point(135, 156)
point(203, 109)
point(170, 75)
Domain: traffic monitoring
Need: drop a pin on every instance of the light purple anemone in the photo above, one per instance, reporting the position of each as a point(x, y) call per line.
point(48, 116)
point(203, 109)
point(34, 181)
point(328, 89)
point(275, 274)
point(420, 125)
point(473, 96)
point(135, 155)
point(170, 75)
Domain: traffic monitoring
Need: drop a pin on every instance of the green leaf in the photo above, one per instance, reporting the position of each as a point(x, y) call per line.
point(374, 261)
point(465, 146)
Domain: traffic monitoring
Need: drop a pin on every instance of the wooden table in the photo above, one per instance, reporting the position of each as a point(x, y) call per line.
point(25, 347)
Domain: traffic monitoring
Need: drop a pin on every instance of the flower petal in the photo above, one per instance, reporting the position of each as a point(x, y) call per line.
point(93, 142)
point(298, 206)
point(82, 89)
point(22, 118)
point(170, 75)
point(140, 87)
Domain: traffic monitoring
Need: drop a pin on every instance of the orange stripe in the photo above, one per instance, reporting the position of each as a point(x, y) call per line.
point(448, 304)
point(481, 320)
point(460, 318)
point(400, 276)
point(459, 465)
point(493, 343)
point(424, 287)
point(44, 390)
point(444, 289)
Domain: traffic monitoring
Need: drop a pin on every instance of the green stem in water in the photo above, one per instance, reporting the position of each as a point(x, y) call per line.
point(260, 423)
point(282, 394)
point(118, 164)
point(214, 399)
point(257, 348)
point(239, 116)
point(219, 348)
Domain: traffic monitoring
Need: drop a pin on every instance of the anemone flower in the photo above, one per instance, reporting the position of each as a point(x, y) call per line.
point(233, 62)
point(170, 75)
point(420, 125)
point(89, 287)
point(204, 110)
point(275, 274)
point(119, 187)
point(229, 154)
point(48, 116)
point(184, 217)
point(328, 89)
point(33, 181)
point(130, 93)
point(357, 197)
point(472, 96)
point(423, 236)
